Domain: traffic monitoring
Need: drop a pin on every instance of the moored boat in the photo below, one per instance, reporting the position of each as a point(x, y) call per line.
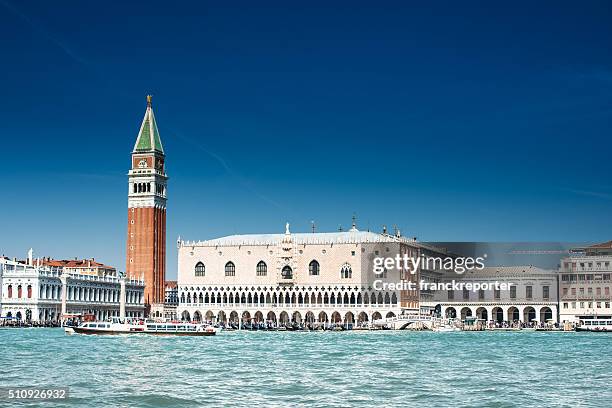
point(446, 329)
point(595, 325)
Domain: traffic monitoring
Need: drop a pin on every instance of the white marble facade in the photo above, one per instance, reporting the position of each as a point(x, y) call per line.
point(534, 297)
point(40, 291)
point(304, 277)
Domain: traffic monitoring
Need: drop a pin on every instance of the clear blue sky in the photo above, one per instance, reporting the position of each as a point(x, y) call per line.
point(455, 122)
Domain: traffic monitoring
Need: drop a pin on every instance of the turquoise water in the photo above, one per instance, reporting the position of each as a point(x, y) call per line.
point(323, 369)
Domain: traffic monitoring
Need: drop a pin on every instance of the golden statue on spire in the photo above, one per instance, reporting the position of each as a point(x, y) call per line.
point(149, 99)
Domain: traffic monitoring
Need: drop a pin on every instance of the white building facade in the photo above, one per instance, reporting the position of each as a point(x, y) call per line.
point(532, 297)
point(44, 293)
point(285, 278)
point(167, 310)
point(585, 284)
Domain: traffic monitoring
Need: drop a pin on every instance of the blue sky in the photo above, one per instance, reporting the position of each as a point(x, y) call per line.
point(470, 122)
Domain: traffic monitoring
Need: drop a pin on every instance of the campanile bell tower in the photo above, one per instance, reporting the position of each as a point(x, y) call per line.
point(146, 238)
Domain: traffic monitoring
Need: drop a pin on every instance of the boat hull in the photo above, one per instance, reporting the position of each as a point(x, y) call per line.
point(80, 330)
point(583, 329)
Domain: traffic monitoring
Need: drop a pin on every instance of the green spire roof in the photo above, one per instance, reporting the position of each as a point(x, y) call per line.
point(148, 136)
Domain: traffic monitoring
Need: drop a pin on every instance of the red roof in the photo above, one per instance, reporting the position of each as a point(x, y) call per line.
point(171, 284)
point(74, 263)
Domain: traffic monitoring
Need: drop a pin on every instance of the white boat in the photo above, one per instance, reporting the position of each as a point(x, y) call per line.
point(445, 329)
point(117, 325)
point(595, 324)
point(447, 325)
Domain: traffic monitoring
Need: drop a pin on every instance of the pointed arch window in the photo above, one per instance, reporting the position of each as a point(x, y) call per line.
point(262, 268)
point(200, 269)
point(287, 272)
point(314, 268)
point(346, 272)
point(230, 269)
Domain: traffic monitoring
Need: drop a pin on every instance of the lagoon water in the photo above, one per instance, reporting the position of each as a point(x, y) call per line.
point(360, 369)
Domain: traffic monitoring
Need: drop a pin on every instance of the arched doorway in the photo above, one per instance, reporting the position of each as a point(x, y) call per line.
point(271, 317)
point(310, 317)
point(185, 316)
point(513, 314)
point(349, 318)
point(221, 317)
point(529, 314)
point(451, 313)
point(259, 317)
point(497, 314)
point(376, 316)
point(336, 318)
point(233, 317)
point(246, 317)
point(197, 316)
point(390, 315)
point(362, 317)
point(466, 312)
point(482, 313)
point(284, 318)
point(438, 310)
point(210, 316)
point(323, 317)
point(546, 314)
point(296, 318)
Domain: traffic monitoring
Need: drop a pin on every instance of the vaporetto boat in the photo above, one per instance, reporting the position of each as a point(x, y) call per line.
point(598, 325)
point(138, 326)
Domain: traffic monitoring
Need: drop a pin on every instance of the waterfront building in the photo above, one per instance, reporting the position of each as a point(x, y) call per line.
point(146, 232)
point(45, 293)
point(531, 298)
point(304, 277)
point(584, 284)
point(171, 297)
point(167, 310)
